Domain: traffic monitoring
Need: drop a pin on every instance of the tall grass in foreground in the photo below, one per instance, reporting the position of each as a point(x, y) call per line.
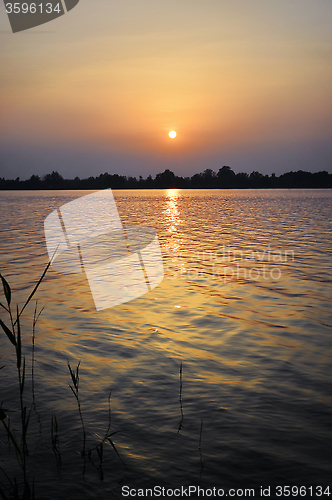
point(24, 488)
point(13, 333)
point(99, 448)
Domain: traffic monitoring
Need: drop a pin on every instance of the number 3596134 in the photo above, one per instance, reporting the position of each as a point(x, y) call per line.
point(32, 8)
point(301, 491)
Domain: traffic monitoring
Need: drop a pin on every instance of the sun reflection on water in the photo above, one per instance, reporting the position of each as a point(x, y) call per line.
point(172, 210)
point(173, 221)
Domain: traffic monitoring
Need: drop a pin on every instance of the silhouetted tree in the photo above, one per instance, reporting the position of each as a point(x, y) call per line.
point(53, 180)
point(165, 180)
point(226, 177)
point(242, 180)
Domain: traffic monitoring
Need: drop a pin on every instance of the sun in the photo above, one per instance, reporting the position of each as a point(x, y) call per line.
point(172, 134)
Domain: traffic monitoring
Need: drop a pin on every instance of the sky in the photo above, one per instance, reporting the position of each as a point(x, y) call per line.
point(244, 83)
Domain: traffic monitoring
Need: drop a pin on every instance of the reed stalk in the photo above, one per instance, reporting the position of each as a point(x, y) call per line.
point(180, 399)
point(76, 380)
point(13, 333)
point(99, 448)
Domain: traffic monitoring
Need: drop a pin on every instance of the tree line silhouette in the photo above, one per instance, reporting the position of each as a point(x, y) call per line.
point(225, 178)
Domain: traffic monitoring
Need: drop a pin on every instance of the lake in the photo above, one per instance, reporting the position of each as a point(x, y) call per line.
point(220, 377)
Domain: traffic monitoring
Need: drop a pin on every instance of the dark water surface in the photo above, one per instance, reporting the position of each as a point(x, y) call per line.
point(245, 306)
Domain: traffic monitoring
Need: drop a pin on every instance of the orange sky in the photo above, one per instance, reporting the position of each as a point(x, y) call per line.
point(238, 81)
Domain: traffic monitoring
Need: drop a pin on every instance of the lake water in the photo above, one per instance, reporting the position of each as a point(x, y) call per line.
point(245, 307)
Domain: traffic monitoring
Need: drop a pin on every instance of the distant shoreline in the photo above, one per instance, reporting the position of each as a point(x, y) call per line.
point(225, 178)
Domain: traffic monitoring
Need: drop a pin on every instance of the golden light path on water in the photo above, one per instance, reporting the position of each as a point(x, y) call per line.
point(173, 221)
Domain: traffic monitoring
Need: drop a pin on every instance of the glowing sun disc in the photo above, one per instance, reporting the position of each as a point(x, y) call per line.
point(172, 134)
